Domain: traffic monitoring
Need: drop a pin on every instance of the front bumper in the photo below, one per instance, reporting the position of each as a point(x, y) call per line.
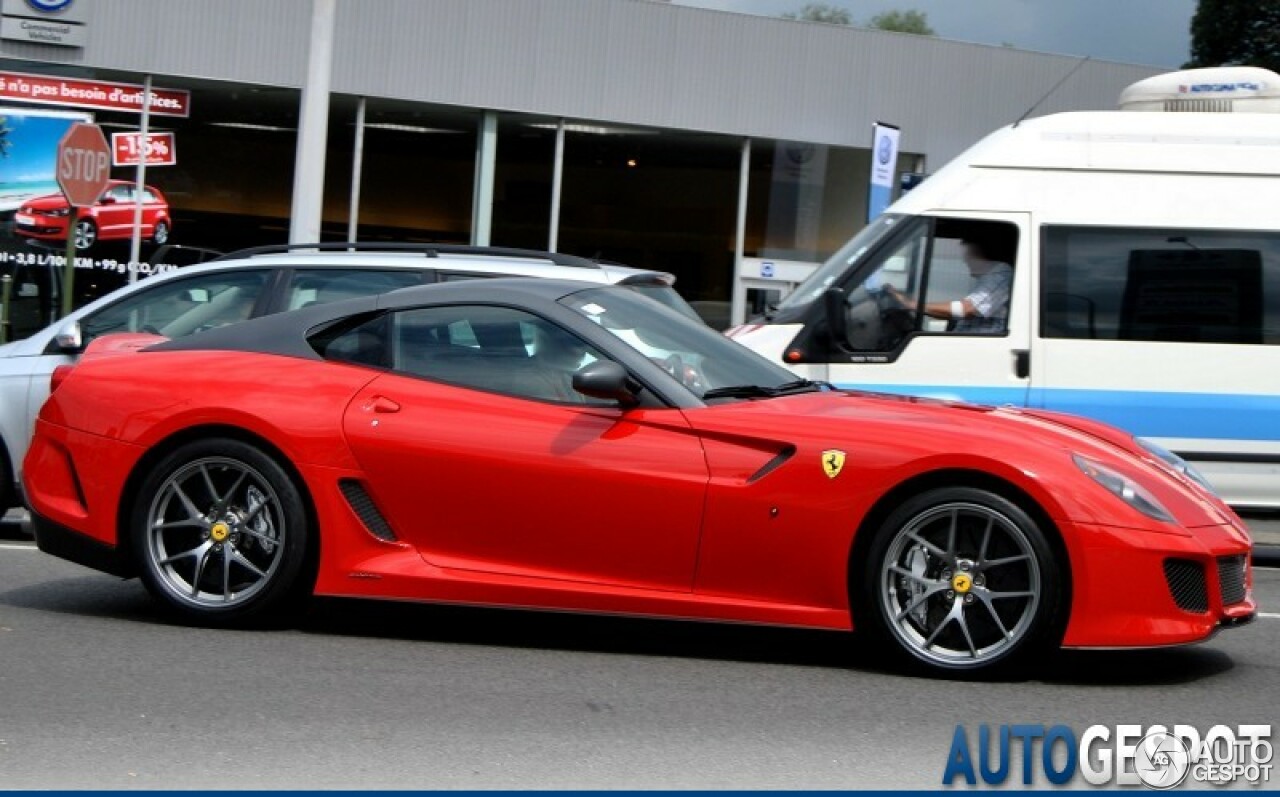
point(1133, 588)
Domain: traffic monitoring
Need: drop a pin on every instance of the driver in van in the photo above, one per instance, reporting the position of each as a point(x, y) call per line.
point(985, 309)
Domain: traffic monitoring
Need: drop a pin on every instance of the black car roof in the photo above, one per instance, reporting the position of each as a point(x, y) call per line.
point(285, 333)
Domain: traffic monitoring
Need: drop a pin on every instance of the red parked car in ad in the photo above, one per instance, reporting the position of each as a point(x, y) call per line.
point(110, 219)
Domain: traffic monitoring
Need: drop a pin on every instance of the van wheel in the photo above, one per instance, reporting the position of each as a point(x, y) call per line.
point(961, 580)
point(219, 533)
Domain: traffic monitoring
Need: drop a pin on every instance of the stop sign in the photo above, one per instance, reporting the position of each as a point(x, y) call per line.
point(84, 164)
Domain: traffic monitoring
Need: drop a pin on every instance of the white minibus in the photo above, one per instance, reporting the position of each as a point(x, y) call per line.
point(1144, 288)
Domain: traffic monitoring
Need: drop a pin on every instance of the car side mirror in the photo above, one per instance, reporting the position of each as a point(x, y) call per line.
point(70, 339)
point(605, 379)
point(835, 306)
point(107, 200)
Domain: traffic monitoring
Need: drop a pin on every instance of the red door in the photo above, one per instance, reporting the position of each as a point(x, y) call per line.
point(488, 482)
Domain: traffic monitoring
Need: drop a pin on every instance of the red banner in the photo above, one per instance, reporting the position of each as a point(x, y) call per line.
point(99, 94)
point(127, 149)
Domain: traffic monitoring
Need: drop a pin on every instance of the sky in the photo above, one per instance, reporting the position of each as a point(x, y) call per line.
point(1149, 32)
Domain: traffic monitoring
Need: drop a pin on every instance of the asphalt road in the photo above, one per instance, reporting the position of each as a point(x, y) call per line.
point(97, 690)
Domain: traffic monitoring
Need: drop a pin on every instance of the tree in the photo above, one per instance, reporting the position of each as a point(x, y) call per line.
point(903, 22)
point(821, 12)
point(1236, 32)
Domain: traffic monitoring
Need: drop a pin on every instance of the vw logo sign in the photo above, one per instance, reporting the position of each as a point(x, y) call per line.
point(885, 151)
point(50, 6)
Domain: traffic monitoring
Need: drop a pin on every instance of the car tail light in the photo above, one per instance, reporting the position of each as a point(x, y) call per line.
point(59, 376)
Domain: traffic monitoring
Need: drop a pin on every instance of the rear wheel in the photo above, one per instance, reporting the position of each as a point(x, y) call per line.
point(161, 235)
point(86, 234)
point(219, 532)
point(960, 579)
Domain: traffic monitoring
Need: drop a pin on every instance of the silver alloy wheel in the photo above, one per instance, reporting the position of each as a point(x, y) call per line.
point(161, 234)
point(960, 584)
point(216, 533)
point(86, 234)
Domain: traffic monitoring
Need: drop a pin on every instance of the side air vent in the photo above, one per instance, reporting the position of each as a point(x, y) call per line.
point(362, 504)
point(1187, 584)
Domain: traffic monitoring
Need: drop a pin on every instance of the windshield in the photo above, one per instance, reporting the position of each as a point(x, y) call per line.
point(693, 353)
point(830, 272)
point(665, 294)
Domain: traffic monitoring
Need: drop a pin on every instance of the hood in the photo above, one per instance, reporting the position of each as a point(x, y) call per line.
point(48, 202)
point(917, 434)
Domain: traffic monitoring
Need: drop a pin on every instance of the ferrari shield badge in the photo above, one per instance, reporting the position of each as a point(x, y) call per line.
point(832, 462)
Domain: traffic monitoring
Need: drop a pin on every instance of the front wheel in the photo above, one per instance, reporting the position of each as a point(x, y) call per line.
point(960, 579)
point(219, 532)
point(86, 234)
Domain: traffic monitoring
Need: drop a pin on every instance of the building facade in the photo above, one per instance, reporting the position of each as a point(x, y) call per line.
point(636, 131)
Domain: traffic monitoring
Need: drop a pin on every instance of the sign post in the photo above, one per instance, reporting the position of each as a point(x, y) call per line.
point(139, 184)
point(884, 161)
point(84, 169)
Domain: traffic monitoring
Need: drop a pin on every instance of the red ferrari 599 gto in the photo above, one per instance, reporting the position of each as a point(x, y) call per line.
point(541, 443)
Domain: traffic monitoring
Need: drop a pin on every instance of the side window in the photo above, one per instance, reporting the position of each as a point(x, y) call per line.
point(495, 349)
point(950, 276)
point(321, 286)
point(31, 301)
point(181, 307)
point(457, 276)
point(120, 193)
point(1185, 286)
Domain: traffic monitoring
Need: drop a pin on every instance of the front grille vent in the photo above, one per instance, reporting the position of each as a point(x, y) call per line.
point(1186, 583)
point(362, 504)
point(1199, 105)
point(1231, 578)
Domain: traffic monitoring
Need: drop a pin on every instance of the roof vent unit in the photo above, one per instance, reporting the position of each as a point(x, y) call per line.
point(1223, 89)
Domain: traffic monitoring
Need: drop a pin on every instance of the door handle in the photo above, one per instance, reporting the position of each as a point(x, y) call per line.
point(1021, 363)
point(381, 404)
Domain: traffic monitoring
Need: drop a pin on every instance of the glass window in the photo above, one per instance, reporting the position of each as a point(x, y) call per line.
point(181, 306)
point(1187, 286)
point(119, 193)
point(699, 357)
point(495, 349)
point(951, 276)
point(522, 181)
point(321, 286)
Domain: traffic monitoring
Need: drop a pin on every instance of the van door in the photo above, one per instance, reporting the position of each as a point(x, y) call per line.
point(943, 310)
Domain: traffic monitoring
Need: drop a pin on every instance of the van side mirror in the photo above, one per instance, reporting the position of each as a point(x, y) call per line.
point(605, 379)
point(836, 310)
point(69, 339)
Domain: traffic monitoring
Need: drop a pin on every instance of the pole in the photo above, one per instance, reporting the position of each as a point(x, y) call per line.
point(69, 268)
point(357, 170)
point(313, 127)
point(482, 199)
point(6, 289)
point(140, 183)
point(738, 293)
point(557, 180)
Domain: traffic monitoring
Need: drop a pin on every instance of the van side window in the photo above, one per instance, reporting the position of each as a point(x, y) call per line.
point(1184, 286)
point(946, 276)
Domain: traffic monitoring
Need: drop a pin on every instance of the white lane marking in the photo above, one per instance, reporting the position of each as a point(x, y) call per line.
point(19, 546)
point(1269, 615)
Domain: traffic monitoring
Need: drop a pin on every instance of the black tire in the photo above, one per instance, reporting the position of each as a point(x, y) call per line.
point(901, 606)
point(241, 533)
point(85, 243)
point(160, 236)
point(8, 495)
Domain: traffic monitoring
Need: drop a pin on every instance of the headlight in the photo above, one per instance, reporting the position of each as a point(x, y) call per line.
point(59, 212)
point(1177, 463)
point(1124, 488)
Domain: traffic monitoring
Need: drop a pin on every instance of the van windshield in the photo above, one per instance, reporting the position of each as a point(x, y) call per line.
point(830, 272)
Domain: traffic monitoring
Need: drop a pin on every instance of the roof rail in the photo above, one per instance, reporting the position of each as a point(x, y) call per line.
point(426, 250)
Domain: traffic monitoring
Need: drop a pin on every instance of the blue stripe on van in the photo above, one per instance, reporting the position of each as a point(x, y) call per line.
point(1206, 416)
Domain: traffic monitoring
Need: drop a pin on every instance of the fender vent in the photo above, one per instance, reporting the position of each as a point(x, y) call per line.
point(1231, 578)
point(362, 504)
point(1186, 583)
